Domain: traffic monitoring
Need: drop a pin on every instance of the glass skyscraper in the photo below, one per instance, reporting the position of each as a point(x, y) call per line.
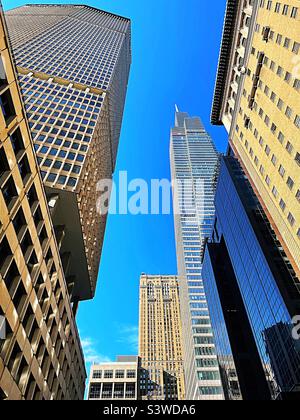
point(194, 165)
point(261, 277)
point(73, 64)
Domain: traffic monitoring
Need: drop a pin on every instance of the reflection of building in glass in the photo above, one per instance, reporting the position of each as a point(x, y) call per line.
point(279, 360)
point(73, 63)
point(160, 339)
point(194, 165)
point(40, 354)
point(241, 370)
point(266, 281)
point(230, 379)
point(115, 381)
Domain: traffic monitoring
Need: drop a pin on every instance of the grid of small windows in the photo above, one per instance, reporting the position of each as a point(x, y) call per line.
point(90, 61)
point(62, 120)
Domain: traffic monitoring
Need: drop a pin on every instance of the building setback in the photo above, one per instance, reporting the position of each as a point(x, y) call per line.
point(194, 166)
point(160, 339)
point(252, 291)
point(115, 380)
point(73, 64)
point(257, 98)
point(40, 353)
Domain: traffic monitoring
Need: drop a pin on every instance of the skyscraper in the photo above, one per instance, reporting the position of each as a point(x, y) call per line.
point(249, 276)
point(257, 98)
point(194, 165)
point(40, 351)
point(73, 63)
point(160, 339)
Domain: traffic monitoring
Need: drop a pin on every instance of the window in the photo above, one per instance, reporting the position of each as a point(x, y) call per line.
point(120, 374)
point(289, 147)
point(17, 141)
point(210, 390)
point(296, 47)
point(281, 170)
point(277, 7)
point(9, 192)
point(275, 192)
point(282, 205)
point(131, 374)
point(297, 121)
point(290, 183)
point(108, 374)
point(288, 112)
point(285, 10)
point(291, 219)
point(24, 169)
point(3, 78)
point(297, 84)
point(294, 12)
point(208, 376)
point(4, 166)
point(7, 106)
point(95, 391)
point(97, 374)
point(297, 158)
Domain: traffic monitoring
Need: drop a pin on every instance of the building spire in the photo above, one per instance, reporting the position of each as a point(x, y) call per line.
point(176, 108)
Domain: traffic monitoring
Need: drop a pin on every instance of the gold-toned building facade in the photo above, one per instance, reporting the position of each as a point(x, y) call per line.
point(40, 351)
point(160, 339)
point(257, 98)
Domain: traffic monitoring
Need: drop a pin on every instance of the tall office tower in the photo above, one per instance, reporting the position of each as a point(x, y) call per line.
point(194, 165)
point(257, 98)
point(252, 292)
point(160, 339)
point(40, 352)
point(115, 381)
point(73, 63)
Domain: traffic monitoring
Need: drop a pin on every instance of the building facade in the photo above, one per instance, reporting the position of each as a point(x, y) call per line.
point(160, 339)
point(257, 98)
point(40, 353)
point(73, 66)
point(247, 270)
point(115, 381)
point(194, 167)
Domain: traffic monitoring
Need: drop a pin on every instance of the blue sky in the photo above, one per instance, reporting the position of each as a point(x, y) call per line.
point(175, 53)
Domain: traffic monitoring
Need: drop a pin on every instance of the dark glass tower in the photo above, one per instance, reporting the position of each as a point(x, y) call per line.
point(73, 63)
point(262, 281)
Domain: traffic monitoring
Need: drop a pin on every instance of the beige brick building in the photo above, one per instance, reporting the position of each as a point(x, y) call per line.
point(160, 339)
point(40, 355)
point(257, 98)
point(73, 63)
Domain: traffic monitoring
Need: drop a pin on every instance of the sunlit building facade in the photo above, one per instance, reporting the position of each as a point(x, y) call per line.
point(73, 66)
point(115, 381)
point(257, 98)
point(160, 339)
point(194, 166)
point(40, 352)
